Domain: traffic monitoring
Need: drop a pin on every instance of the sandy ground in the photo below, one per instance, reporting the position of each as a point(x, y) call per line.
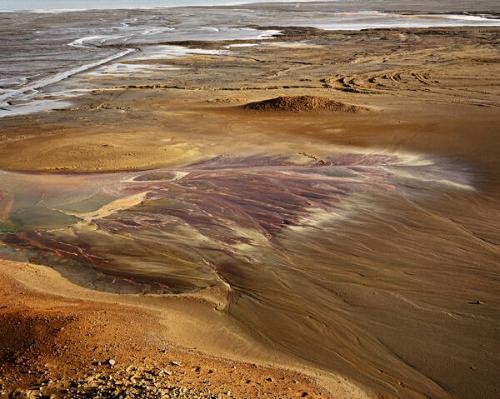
point(433, 91)
point(61, 334)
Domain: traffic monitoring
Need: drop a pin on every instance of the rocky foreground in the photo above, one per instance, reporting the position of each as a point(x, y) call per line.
point(55, 347)
point(132, 382)
point(108, 381)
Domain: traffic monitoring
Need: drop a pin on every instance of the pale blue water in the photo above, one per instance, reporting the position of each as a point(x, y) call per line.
point(16, 5)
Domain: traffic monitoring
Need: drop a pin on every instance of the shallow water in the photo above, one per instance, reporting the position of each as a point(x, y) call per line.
point(176, 227)
point(351, 262)
point(64, 5)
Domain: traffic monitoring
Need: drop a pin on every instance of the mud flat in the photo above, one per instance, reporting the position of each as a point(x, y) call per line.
point(293, 249)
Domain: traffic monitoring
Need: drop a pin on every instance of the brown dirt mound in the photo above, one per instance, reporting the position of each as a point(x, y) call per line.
point(302, 104)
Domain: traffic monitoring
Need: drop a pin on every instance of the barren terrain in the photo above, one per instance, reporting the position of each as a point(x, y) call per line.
point(401, 294)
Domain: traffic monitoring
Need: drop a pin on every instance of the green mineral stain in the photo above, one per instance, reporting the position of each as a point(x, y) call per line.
point(6, 229)
point(38, 217)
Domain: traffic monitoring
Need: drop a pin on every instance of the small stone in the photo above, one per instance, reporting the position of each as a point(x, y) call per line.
point(111, 362)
